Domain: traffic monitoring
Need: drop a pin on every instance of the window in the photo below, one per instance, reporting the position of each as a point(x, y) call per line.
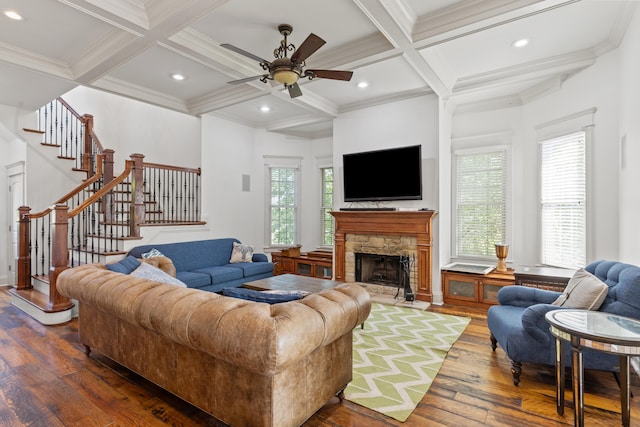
point(481, 201)
point(562, 170)
point(326, 206)
point(283, 209)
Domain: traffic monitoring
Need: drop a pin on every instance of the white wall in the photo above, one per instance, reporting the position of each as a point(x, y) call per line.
point(629, 124)
point(593, 88)
point(128, 126)
point(398, 124)
point(231, 150)
point(596, 87)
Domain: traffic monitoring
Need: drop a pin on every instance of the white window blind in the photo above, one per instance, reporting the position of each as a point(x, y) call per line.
point(481, 198)
point(326, 206)
point(283, 207)
point(562, 201)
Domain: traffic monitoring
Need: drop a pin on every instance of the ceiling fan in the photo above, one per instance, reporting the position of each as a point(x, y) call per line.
point(287, 70)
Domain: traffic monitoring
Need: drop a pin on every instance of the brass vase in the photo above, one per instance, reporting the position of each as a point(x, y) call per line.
point(502, 251)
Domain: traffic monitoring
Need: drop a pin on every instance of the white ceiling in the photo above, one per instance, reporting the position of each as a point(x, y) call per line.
point(460, 50)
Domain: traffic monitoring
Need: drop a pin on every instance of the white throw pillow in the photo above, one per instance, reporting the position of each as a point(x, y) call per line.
point(584, 291)
point(148, 271)
point(241, 253)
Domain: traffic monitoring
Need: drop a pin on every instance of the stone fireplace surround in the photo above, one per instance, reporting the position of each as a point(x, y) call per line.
point(390, 233)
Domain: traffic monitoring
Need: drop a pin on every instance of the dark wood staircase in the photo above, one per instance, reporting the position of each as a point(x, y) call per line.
point(93, 222)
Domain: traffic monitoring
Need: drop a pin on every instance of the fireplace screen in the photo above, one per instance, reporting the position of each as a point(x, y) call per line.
point(378, 269)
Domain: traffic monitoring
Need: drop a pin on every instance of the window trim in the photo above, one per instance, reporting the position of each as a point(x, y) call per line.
point(321, 167)
point(585, 204)
point(290, 162)
point(481, 144)
point(583, 120)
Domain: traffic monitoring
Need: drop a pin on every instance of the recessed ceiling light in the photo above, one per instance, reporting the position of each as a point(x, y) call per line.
point(177, 76)
point(265, 109)
point(12, 14)
point(363, 85)
point(520, 43)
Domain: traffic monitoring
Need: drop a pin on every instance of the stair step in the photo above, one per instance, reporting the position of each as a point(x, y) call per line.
point(41, 132)
point(48, 144)
point(159, 222)
point(38, 299)
point(66, 158)
point(36, 304)
point(98, 251)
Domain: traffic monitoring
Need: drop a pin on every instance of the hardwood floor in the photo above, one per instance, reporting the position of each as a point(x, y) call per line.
point(46, 380)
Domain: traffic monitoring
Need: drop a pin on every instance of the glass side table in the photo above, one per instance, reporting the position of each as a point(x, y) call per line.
point(597, 330)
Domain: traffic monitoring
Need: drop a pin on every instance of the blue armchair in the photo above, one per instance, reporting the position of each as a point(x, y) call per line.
point(518, 325)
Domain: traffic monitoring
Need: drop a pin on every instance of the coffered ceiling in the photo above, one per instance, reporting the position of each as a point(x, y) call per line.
point(459, 50)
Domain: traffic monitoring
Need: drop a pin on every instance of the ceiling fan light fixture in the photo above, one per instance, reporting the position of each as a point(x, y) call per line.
point(286, 77)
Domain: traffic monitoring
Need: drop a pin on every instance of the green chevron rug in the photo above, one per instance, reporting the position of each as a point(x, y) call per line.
point(397, 355)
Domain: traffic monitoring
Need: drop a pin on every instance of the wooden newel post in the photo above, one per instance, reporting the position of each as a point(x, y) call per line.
point(107, 176)
point(87, 119)
point(59, 257)
point(137, 193)
point(23, 264)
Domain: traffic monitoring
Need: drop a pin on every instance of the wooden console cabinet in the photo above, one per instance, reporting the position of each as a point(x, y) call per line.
point(315, 264)
point(474, 290)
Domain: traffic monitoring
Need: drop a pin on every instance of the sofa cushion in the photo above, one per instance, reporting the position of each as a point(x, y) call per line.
point(252, 268)
point(192, 279)
point(270, 297)
point(584, 291)
point(241, 253)
point(148, 271)
point(124, 266)
point(192, 255)
point(221, 274)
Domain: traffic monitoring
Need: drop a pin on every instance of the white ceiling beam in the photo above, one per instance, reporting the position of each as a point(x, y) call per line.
point(173, 23)
point(391, 27)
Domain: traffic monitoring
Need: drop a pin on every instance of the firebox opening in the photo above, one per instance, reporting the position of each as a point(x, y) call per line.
point(378, 269)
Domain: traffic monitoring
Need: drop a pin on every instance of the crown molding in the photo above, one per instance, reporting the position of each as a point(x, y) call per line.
point(33, 61)
point(386, 99)
point(129, 90)
point(523, 72)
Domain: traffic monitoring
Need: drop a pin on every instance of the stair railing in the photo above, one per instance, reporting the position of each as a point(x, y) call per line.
point(93, 218)
point(73, 133)
point(174, 192)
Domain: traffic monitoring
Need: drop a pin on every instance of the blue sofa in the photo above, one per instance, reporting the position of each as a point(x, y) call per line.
point(204, 264)
point(519, 326)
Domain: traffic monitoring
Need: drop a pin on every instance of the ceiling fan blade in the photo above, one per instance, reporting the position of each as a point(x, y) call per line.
point(244, 53)
point(294, 90)
point(329, 74)
point(307, 48)
point(248, 79)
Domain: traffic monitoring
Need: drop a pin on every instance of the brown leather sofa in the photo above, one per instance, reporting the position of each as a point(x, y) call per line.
point(245, 363)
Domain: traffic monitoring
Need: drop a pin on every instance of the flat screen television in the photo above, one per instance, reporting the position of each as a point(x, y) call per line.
point(389, 174)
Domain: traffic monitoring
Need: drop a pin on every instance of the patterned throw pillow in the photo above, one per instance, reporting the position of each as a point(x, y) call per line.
point(152, 253)
point(241, 253)
point(148, 271)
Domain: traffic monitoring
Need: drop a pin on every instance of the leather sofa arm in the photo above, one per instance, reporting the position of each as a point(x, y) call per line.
point(224, 327)
point(524, 296)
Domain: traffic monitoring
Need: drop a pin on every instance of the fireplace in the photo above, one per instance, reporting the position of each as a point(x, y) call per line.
point(378, 269)
point(393, 233)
